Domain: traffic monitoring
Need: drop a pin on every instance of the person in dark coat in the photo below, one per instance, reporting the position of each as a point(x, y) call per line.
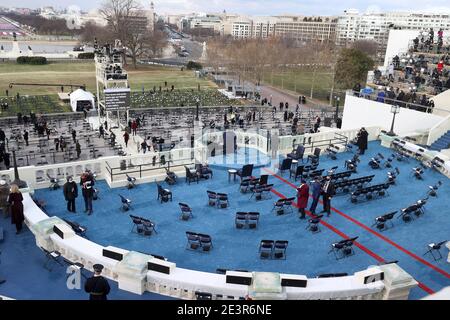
point(302, 198)
point(328, 193)
point(87, 190)
point(74, 135)
point(25, 137)
point(126, 137)
point(101, 131)
point(15, 201)
point(78, 149)
point(2, 135)
point(70, 190)
point(363, 136)
point(6, 160)
point(316, 188)
point(97, 286)
point(4, 193)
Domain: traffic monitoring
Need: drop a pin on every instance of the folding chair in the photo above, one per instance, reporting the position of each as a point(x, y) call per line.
point(186, 211)
point(313, 224)
point(240, 220)
point(212, 198)
point(287, 204)
point(131, 182)
point(193, 240)
point(77, 228)
point(191, 175)
point(253, 219)
point(266, 249)
point(245, 185)
point(435, 247)
point(279, 206)
point(52, 256)
point(285, 165)
point(205, 242)
point(246, 171)
point(148, 227)
point(164, 194)
point(137, 223)
point(54, 182)
point(382, 222)
point(126, 203)
point(314, 158)
point(76, 266)
point(279, 249)
point(344, 248)
point(222, 200)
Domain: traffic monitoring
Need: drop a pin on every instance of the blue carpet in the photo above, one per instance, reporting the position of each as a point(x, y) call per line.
point(238, 249)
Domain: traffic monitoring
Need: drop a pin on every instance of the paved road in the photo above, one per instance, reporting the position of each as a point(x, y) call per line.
point(279, 95)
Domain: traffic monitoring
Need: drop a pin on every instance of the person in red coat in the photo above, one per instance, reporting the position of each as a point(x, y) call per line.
point(302, 198)
point(15, 200)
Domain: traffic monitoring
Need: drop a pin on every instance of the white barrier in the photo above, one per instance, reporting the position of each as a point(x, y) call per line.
point(132, 274)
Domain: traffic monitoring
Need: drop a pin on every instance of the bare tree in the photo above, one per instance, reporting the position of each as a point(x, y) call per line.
point(121, 16)
point(369, 47)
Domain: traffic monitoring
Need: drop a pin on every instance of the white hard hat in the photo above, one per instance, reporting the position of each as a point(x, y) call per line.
point(2, 182)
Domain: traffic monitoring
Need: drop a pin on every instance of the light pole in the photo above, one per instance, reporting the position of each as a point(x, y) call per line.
point(196, 109)
point(337, 99)
point(394, 109)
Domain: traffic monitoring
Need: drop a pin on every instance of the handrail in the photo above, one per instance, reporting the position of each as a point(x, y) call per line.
point(402, 104)
point(438, 130)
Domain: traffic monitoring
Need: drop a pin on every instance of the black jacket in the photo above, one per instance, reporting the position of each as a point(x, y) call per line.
point(70, 190)
point(97, 287)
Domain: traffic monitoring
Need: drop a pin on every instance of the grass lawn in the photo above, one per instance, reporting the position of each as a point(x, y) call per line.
point(79, 73)
point(301, 80)
point(84, 73)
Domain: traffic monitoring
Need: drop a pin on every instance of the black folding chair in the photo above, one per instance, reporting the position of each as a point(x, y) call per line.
point(279, 249)
point(52, 257)
point(435, 247)
point(314, 224)
point(126, 203)
point(186, 211)
point(266, 249)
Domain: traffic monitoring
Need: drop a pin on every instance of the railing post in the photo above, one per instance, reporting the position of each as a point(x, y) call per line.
point(140, 171)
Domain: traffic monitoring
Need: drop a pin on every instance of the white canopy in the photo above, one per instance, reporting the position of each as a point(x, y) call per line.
point(81, 95)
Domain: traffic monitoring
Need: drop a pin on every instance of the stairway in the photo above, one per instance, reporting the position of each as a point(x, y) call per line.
point(442, 143)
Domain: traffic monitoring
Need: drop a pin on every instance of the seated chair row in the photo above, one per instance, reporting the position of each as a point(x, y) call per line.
point(370, 192)
point(270, 249)
point(282, 205)
point(244, 219)
point(249, 183)
point(143, 226)
point(303, 171)
point(217, 199)
point(357, 183)
point(198, 240)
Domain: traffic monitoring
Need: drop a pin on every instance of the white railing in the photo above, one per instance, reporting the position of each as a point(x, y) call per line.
point(287, 143)
point(438, 130)
point(181, 283)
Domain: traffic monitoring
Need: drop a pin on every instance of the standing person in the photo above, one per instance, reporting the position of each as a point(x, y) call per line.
point(25, 137)
point(106, 125)
point(327, 193)
point(363, 136)
point(316, 188)
point(2, 136)
point(48, 131)
point(6, 160)
point(134, 127)
point(74, 135)
point(97, 286)
point(4, 193)
point(126, 137)
point(101, 131)
point(15, 201)
point(87, 190)
point(78, 149)
point(302, 198)
point(70, 190)
point(144, 146)
point(85, 113)
point(56, 144)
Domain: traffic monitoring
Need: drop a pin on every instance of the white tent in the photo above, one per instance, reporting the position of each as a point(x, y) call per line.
point(80, 98)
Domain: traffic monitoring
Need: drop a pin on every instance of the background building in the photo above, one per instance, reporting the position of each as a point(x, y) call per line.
point(352, 26)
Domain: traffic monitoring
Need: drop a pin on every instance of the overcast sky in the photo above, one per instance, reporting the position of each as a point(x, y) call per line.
point(254, 7)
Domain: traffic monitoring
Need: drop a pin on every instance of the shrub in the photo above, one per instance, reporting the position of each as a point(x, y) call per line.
point(32, 60)
point(194, 65)
point(86, 55)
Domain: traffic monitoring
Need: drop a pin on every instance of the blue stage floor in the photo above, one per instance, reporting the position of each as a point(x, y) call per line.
point(238, 249)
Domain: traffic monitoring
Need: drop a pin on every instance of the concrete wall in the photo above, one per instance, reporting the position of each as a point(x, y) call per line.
point(359, 112)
